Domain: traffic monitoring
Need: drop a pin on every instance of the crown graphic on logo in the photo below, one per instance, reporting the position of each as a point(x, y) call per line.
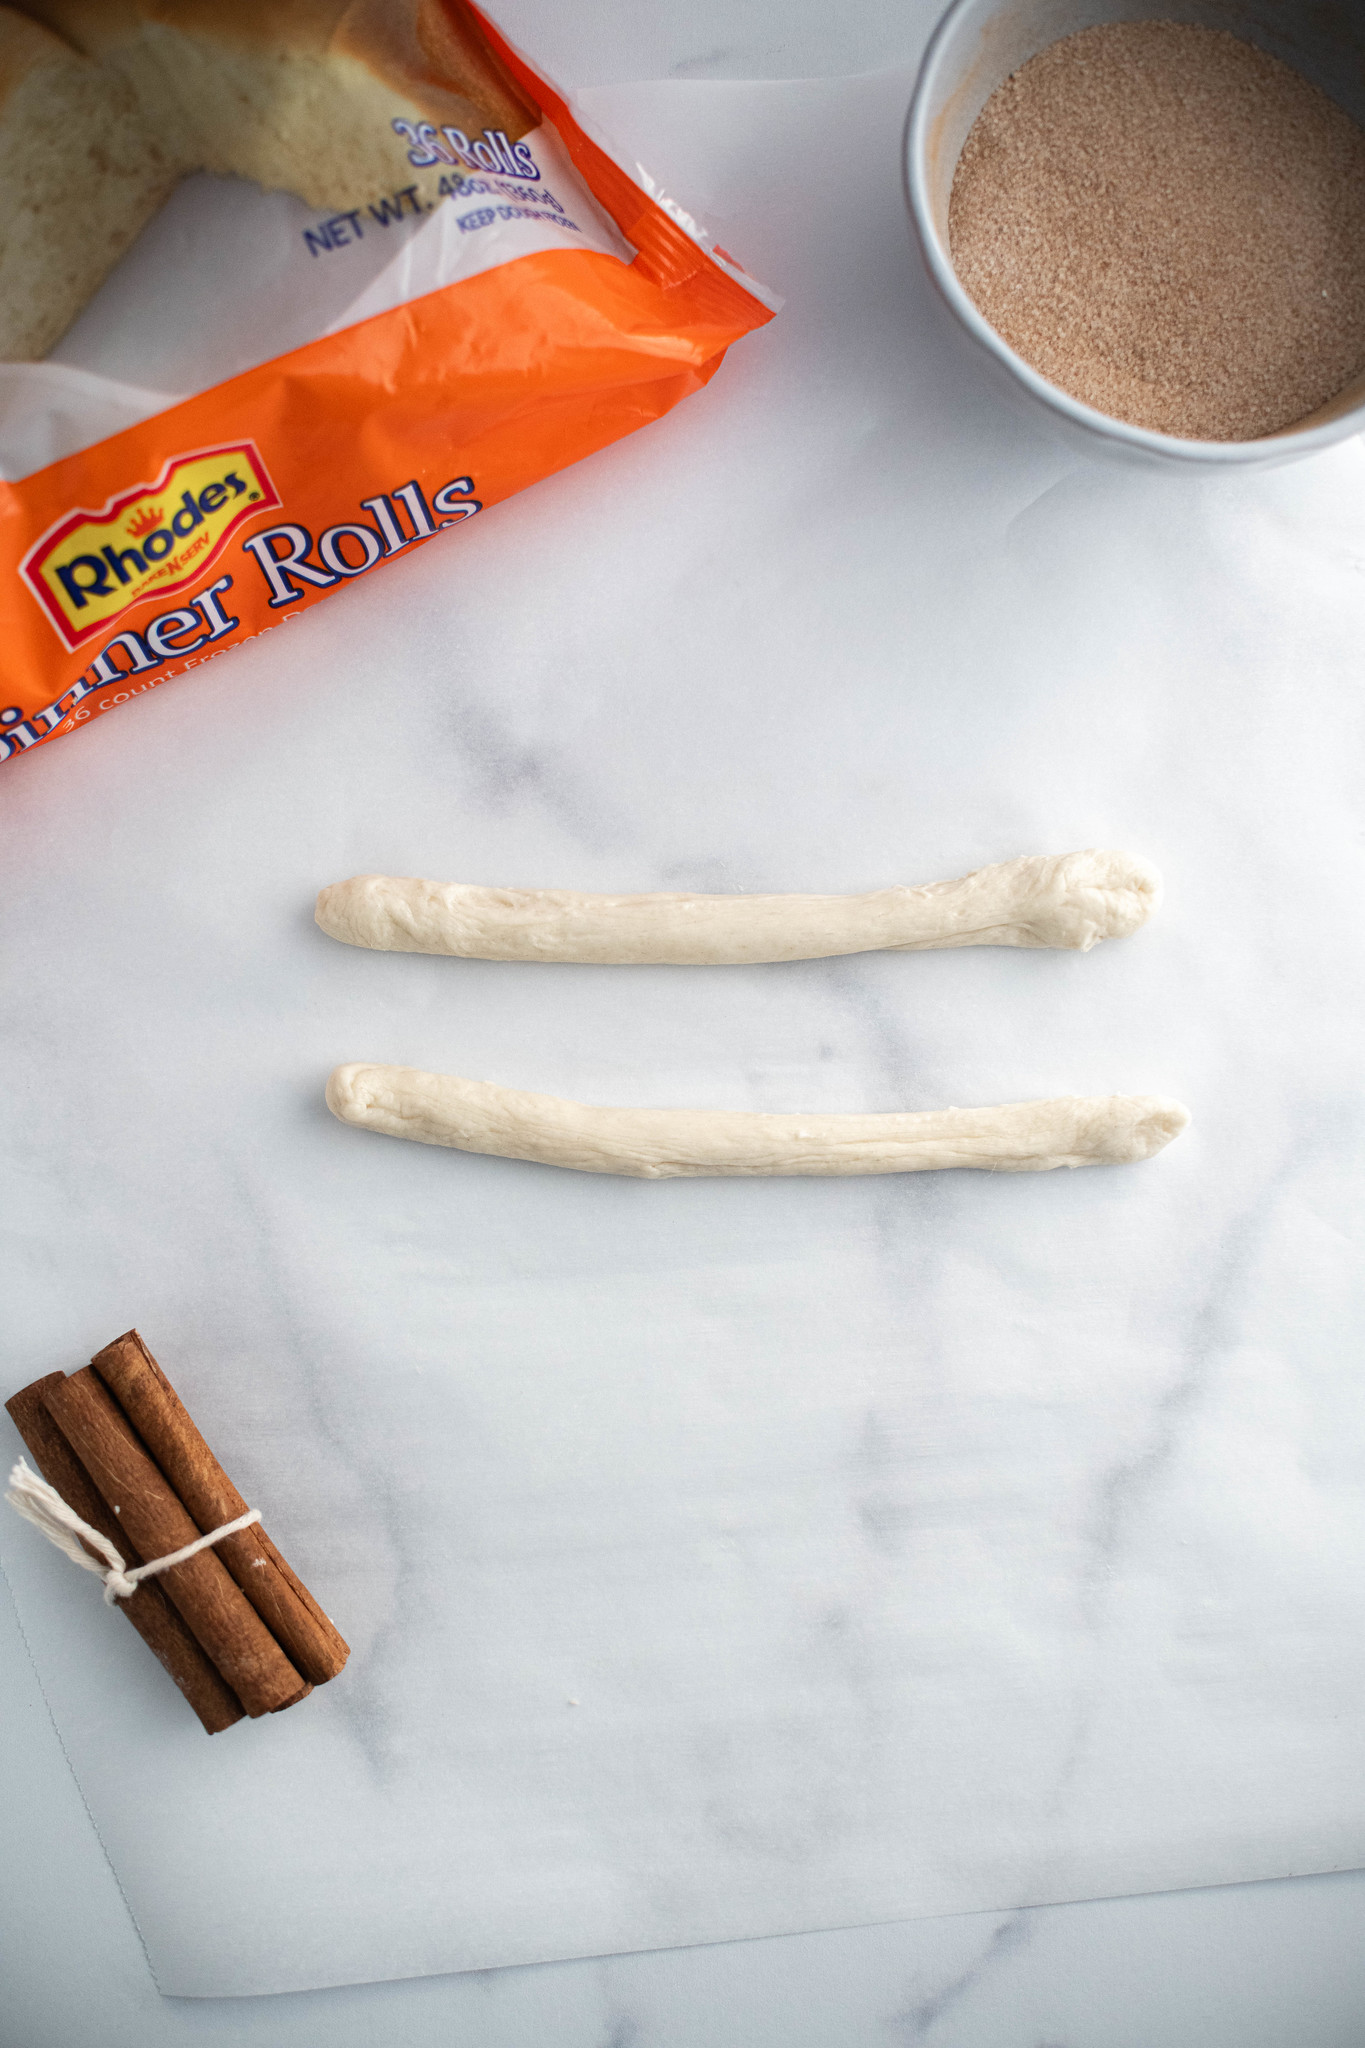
point(145, 522)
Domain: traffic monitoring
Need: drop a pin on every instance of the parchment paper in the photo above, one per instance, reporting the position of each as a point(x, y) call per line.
point(727, 1558)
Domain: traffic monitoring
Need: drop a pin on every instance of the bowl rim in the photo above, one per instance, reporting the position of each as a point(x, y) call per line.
point(1284, 443)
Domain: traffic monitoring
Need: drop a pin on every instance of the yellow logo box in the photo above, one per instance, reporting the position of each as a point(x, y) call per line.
point(91, 567)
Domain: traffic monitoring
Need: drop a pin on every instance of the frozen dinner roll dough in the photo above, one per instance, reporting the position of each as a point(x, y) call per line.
point(108, 104)
point(81, 174)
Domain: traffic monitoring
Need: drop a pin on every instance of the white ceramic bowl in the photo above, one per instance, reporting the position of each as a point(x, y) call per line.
point(975, 47)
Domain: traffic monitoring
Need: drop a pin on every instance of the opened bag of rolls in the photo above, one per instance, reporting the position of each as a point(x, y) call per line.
point(485, 295)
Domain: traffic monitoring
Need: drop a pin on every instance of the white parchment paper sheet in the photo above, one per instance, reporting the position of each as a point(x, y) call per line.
point(725, 1558)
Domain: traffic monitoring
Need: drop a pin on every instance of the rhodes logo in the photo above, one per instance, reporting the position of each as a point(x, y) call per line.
point(91, 567)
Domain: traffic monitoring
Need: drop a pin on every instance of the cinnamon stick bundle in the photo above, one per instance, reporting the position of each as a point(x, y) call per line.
point(151, 1614)
point(233, 1625)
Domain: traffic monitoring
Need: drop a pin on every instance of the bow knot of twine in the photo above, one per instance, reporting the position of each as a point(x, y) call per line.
point(42, 1505)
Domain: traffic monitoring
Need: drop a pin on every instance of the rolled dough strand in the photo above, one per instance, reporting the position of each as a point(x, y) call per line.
point(1067, 900)
point(660, 1144)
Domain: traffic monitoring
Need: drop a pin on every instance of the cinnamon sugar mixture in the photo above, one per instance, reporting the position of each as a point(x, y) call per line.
point(1170, 225)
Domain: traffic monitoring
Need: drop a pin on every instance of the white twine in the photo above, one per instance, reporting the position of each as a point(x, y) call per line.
point(42, 1505)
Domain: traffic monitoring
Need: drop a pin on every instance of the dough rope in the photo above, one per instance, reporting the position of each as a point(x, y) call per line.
point(1061, 900)
point(660, 1144)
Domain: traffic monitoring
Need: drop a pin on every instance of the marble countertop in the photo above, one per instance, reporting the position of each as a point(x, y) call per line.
point(1245, 1965)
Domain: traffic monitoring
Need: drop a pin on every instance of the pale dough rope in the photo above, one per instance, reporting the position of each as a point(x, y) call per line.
point(660, 1144)
point(1069, 900)
point(42, 1505)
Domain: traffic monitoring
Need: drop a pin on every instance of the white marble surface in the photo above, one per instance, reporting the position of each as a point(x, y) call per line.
point(1149, 1475)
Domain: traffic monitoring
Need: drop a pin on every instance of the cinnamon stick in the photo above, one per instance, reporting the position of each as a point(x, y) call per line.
point(211, 1604)
point(150, 1613)
point(161, 1419)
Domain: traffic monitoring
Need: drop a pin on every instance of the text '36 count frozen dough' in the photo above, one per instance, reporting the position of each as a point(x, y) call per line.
point(660, 1144)
point(1066, 900)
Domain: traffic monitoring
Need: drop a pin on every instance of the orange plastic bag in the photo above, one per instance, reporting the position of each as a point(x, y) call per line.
point(152, 551)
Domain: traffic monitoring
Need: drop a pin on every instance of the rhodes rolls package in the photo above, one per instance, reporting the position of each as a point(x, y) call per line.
point(487, 295)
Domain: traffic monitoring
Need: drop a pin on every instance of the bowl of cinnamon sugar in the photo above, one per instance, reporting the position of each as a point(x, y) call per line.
point(1152, 221)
